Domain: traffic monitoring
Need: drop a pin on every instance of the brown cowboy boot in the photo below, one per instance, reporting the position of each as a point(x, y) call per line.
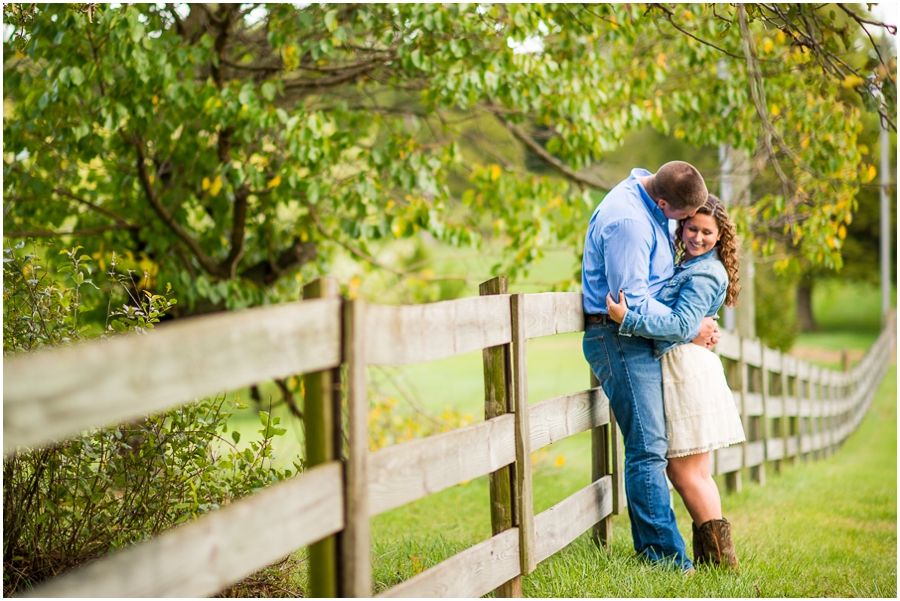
point(700, 554)
point(717, 544)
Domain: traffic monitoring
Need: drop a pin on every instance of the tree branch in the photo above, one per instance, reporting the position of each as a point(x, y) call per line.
point(85, 232)
point(208, 264)
point(668, 14)
point(757, 93)
point(546, 157)
point(267, 271)
point(238, 225)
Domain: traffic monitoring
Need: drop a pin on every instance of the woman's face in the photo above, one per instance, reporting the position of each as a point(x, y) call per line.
point(699, 234)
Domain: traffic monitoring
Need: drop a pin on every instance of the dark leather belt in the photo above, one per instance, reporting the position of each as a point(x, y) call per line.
point(602, 318)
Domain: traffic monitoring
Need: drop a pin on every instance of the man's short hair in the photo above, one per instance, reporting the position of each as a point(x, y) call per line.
point(681, 185)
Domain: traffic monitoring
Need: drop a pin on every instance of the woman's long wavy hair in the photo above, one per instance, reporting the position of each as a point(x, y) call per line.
point(728, 244)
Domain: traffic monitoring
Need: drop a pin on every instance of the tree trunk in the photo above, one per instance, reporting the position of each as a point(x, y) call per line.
point(804, 307)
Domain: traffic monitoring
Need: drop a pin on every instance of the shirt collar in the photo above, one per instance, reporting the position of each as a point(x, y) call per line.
point(655, 211)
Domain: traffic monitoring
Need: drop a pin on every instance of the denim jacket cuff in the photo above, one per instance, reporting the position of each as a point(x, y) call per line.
point(626, 328)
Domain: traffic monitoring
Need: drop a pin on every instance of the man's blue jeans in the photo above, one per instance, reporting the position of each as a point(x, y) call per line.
point(632, 380)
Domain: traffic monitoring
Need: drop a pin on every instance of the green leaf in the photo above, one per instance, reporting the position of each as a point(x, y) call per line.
point(268, 91)
point(331, 20)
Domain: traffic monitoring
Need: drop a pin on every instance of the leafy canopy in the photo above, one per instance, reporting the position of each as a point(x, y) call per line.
point(234, 149)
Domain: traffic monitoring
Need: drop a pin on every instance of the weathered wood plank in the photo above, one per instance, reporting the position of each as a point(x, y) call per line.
point(729, 346)
point(772, 359)
point(775, 449)
point(403, 473)
point(567, 520)
point(524, 493)
point(202, 557)
point(469, 574)
point(753, 404)
point(792, 446)
point(418, 333)
point(774, 407)
point(551, 313)
point(356, 568)
point(563, 416)
point(57, 393)
point(754, 453)
point(729, 459)
point(752, 351)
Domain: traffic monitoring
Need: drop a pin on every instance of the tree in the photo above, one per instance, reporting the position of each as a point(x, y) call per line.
point(236, 148)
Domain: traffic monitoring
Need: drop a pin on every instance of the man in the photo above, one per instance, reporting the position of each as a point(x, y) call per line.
point(629, 247)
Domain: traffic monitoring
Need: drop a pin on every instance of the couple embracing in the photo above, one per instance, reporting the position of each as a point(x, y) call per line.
point(649, 327)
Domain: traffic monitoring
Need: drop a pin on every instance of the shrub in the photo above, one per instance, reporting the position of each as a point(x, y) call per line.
point(76, 500)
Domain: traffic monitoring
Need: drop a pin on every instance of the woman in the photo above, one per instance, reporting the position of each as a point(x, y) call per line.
point(700, 412)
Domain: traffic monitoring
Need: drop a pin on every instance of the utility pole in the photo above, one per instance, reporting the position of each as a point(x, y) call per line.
point(734, 183)
point(885, 205)
point(726, 193)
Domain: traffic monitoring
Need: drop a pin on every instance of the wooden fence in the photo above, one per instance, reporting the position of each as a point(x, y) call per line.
point(790, 410)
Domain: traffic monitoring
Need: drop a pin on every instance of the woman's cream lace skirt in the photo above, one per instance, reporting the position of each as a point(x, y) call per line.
point(700, 411)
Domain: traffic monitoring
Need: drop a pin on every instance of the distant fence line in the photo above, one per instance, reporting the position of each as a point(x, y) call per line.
point(790, 410)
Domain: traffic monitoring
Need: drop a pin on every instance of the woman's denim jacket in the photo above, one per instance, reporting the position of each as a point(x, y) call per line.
point(696, 290)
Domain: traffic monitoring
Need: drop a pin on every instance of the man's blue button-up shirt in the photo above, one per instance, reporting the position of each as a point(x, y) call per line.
point(628, 247)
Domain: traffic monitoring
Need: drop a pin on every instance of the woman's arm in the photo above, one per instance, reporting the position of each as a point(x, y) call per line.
point(695, 301)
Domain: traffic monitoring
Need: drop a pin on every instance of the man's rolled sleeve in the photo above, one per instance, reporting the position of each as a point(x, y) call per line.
point(627, 248)
point(695, 301)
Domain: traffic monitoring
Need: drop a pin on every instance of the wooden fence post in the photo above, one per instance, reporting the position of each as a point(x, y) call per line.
point(498, 401)
point(322, 426)
point(525, 500)
point(606, 460)
point(356, 572)
point(761, 431)
point(733, 482)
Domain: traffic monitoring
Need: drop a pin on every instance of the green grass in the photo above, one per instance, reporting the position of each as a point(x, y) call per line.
point(823, 528)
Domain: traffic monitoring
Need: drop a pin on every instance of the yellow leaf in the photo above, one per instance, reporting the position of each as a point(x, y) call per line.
point(776, 110)
point(870, 174)
point(275, 181)
point(661, 60)
point(155, 99)
point(355, 282)
point(805, 142)
point(842, 232)
point(216, 186)
point(851, 81)
point(495, 172)
point(389, 205)
point(205, 184)
point(768, 46)
point(780, 37)
point(20, 54)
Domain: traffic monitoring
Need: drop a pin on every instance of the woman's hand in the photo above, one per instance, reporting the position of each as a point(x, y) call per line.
point(616, 310)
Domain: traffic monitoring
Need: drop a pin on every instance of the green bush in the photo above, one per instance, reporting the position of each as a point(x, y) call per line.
point(76, 500)
point(776, 308)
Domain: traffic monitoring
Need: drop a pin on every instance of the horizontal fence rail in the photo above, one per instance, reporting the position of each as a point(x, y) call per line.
point(791, 410)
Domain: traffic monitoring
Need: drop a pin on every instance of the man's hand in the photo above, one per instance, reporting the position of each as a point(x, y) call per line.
point(616, 310)
point(709, 335)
